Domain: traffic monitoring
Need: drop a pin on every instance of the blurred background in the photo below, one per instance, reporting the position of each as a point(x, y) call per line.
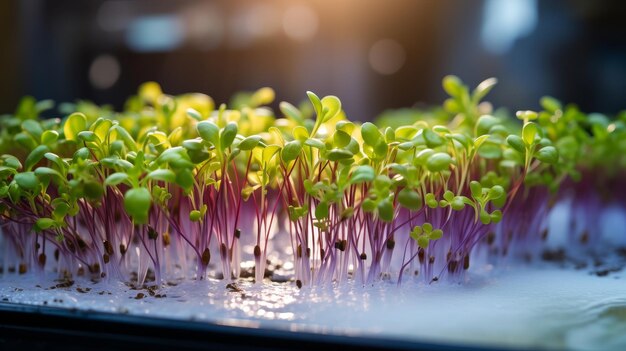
point(372, 54)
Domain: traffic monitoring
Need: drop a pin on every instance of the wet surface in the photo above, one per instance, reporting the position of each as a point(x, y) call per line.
point(544, 305)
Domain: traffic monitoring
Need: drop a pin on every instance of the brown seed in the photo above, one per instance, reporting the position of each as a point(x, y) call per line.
point(363, 256)
point(452, 266)
point(322, 253)
point(140, 296)
point(122, 249)
point(22, 268)
point(237, 233)
point(108, 248)
point(94, 268)
point(298, 251)
point(166, 239)
point(206, 257)
point(152, 233)
point(105, 258)
point(431, 259)
point(391, 244)
point(70, 245)
point(299, 284)
point(42, 259)
point(223, 250)
point(56, 254)
point(466, 262)
point(81, 243)
point(420, 255)
point(491, 238)
point(257, 251)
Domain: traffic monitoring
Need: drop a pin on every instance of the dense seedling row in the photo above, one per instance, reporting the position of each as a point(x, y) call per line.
point(174, 185)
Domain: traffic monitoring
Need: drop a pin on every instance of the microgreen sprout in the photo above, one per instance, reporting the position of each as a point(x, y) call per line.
point(174, 184)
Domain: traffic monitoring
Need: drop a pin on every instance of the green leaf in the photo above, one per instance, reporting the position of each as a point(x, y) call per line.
point(25, 140)
point(315, 143)
point(321, 210)
point(341, 139)
point(209, 132)
point(27, 180)
point(126, 138)
point(370, 134)
point(431, 201)
point(291, 151)
point(427, 227)
point(453, 85)
point(116, 178)
point(317, 104)
point(385, 210)
point(46, 171)
point(432, 139)
point(291, 112)
point(422, 241)
point(484, 217)
point(137, 202)
point(406, 132)
point(338, 154)
point(11, 161)
point(93, 190)
point(249, 143)
point(269, 152)
point(49, 137)
point(44, 223)
point(35, 156)
point(476, 189)
point(381, 148)
point(496, 216)
point(490, 150)
point(516, 143)
point(483, 89)
point(529, 132)
point(548, 154)
point(184, 179)
point(362, 174)
point(438, 162)
point(550, 104)
point(436, 234)
point(485, 123)
point(300, 133)
point(332, 106)
point(74, 124)
point(165, 175)
point(195, 216)
point(194, 114)
point(88, 136)
point(457, 203)
point(101, 128)
point(409, 199)
point(193, 144)
point(496, 192)
point(33, 128)
point(526, 115)
point(228, 134)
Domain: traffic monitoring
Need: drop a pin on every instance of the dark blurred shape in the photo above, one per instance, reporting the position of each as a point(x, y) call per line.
point(372, 54)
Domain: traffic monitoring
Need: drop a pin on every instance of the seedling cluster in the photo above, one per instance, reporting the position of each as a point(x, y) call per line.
point(172, 184)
